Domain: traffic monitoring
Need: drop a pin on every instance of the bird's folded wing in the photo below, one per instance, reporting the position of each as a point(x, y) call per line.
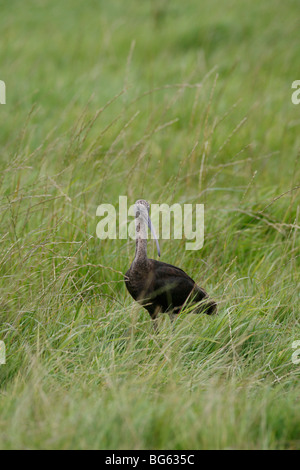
point(174, 280)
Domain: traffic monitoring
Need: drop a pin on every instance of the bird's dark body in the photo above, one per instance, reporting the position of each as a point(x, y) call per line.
point(161, 287)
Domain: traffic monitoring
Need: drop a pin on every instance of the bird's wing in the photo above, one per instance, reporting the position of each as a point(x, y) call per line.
point(175, 283)
point(168, 270)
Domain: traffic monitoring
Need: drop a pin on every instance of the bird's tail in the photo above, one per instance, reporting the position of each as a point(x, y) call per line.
point(204, 303)
point(207, 306)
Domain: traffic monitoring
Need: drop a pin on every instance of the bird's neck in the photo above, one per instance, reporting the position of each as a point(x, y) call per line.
point(141, 242)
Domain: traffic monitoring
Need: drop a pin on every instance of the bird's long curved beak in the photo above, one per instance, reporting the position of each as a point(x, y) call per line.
point(151, 227)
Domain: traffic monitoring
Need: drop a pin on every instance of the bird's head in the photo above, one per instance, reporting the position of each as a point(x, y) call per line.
point(142, 207)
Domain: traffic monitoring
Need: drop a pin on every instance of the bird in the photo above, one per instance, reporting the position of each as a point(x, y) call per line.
point(157, 286)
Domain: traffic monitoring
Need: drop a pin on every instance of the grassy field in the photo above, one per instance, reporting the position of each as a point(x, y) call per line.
point(171, 102)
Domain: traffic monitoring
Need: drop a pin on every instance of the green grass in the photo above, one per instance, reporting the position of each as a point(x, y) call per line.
point(171, 102)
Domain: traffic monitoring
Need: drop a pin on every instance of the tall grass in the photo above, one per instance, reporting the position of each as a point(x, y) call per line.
point(172, 103)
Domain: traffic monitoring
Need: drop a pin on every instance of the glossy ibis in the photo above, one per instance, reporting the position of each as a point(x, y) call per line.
point(161, 287)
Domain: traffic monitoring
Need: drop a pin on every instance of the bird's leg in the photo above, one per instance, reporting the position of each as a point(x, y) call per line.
point(155, 325)
point(155, 319)
point(173, 317)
